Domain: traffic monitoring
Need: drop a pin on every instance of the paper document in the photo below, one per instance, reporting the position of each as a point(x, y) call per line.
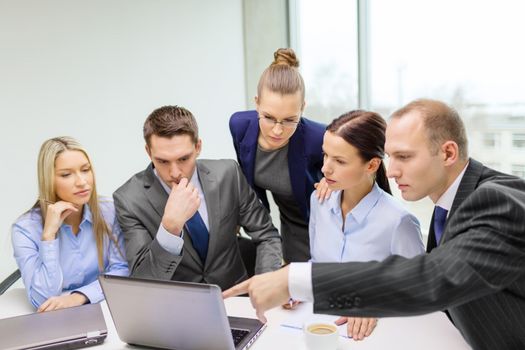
point(303, 313)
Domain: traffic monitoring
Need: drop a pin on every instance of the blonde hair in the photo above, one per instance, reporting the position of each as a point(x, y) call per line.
point(282, 76)
point(49, 151)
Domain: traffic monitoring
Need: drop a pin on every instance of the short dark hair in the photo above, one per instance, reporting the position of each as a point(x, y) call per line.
point(442, 123)
point(168, 121)
point(365, 131)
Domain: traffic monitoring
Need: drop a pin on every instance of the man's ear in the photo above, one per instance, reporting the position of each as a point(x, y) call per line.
point(148, 151)
point(198, 147)
point(450, 151)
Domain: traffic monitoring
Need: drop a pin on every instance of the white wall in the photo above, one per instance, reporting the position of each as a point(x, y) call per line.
point(95, 70)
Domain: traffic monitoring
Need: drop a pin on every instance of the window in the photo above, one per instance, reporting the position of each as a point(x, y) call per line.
point(518, 170)
point(442, 49)
point(326, 46)
point(491, 140)
point(518, 140)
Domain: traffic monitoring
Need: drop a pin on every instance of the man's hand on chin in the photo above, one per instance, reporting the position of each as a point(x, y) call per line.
point(266, 291)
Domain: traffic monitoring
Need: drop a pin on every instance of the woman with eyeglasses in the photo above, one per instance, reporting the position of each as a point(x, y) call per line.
point(280, 151)
point(361, 221)
point(70, 235)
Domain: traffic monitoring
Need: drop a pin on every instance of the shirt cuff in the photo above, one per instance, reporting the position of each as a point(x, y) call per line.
point(300, 282)
point(49, 253)
point(92, 292)
point(172, 243)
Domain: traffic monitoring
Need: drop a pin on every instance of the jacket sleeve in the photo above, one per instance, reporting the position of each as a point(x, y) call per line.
point(257, 223)
point(483, 253)
point(39, 264)
point(146, 257)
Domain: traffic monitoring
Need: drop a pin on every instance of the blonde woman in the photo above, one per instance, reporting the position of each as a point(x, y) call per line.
point(70, 236)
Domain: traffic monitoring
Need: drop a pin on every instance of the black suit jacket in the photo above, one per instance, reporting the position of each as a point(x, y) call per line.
point(477, 273)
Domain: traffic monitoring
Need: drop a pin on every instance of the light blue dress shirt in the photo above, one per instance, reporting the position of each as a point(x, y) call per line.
point(70, 262)
point(378, 226)
point(173, 243)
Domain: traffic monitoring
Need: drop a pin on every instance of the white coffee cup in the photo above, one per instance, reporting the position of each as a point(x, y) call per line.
point(321, 335)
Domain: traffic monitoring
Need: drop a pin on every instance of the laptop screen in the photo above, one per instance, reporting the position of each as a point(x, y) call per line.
point(168, 314)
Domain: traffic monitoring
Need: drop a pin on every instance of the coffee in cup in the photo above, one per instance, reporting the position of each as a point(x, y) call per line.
point(321, 335)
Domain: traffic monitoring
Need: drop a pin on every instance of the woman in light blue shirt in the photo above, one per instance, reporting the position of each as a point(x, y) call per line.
point(70, 236)
point(361, 221)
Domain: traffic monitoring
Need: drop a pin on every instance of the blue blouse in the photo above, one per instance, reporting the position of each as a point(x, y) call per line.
point(70, 262)
point(377, 227)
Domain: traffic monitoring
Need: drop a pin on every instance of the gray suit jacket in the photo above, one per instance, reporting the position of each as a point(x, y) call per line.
point(230, 202)
point(477, 273)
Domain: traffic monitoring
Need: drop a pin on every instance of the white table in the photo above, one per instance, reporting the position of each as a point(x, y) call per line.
point(431, 331)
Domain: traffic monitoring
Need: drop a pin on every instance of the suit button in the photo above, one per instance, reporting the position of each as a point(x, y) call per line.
point(331, 306)
point(357, 301)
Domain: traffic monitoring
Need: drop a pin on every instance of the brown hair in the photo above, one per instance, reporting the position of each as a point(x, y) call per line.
point(365, 131)
point(442, 123)
point(282, 76)
point(169, 121)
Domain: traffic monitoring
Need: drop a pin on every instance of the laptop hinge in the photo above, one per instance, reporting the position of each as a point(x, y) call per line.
point(93, 334)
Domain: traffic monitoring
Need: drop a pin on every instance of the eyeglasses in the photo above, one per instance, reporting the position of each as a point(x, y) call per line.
point(269, 121)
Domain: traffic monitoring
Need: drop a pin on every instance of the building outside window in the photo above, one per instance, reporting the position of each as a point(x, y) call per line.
point(439, 49)
point(518, 170)
point(518, 141)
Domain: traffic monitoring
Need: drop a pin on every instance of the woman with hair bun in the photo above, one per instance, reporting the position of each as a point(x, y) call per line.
point(280, 151)
point(361, 221)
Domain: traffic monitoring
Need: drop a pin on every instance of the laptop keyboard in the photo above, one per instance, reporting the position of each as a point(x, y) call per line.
point(238, 335)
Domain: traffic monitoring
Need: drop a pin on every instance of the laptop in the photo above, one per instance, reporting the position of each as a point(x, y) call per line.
point(175, 315)
point(70, 328)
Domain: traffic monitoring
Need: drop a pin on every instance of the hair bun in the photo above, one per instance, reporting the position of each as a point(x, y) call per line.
point(285, 57)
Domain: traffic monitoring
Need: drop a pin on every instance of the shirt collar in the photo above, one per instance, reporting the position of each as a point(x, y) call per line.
point(361, 210)
point(447, 198)
point(87, 216)
point(194, 180)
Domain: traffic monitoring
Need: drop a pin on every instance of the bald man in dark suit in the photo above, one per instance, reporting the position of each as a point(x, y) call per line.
point(475, 269)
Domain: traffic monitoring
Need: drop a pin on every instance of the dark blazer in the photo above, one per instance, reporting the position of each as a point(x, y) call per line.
point(230, 203)
point(477, 273)
point(305, 155)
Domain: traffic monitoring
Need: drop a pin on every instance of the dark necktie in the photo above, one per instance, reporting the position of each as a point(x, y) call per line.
point(199, 235)
point(440, 216)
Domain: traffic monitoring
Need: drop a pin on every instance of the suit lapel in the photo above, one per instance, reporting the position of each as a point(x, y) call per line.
point(155, 193)
point(431, 241)
point(468, 184)
point(211, 192)
point(248, 150)
point(297, 166)
point(158, 197)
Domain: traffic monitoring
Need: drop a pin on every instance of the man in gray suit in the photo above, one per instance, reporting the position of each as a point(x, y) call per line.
point(180, 215)
point(475, 272)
